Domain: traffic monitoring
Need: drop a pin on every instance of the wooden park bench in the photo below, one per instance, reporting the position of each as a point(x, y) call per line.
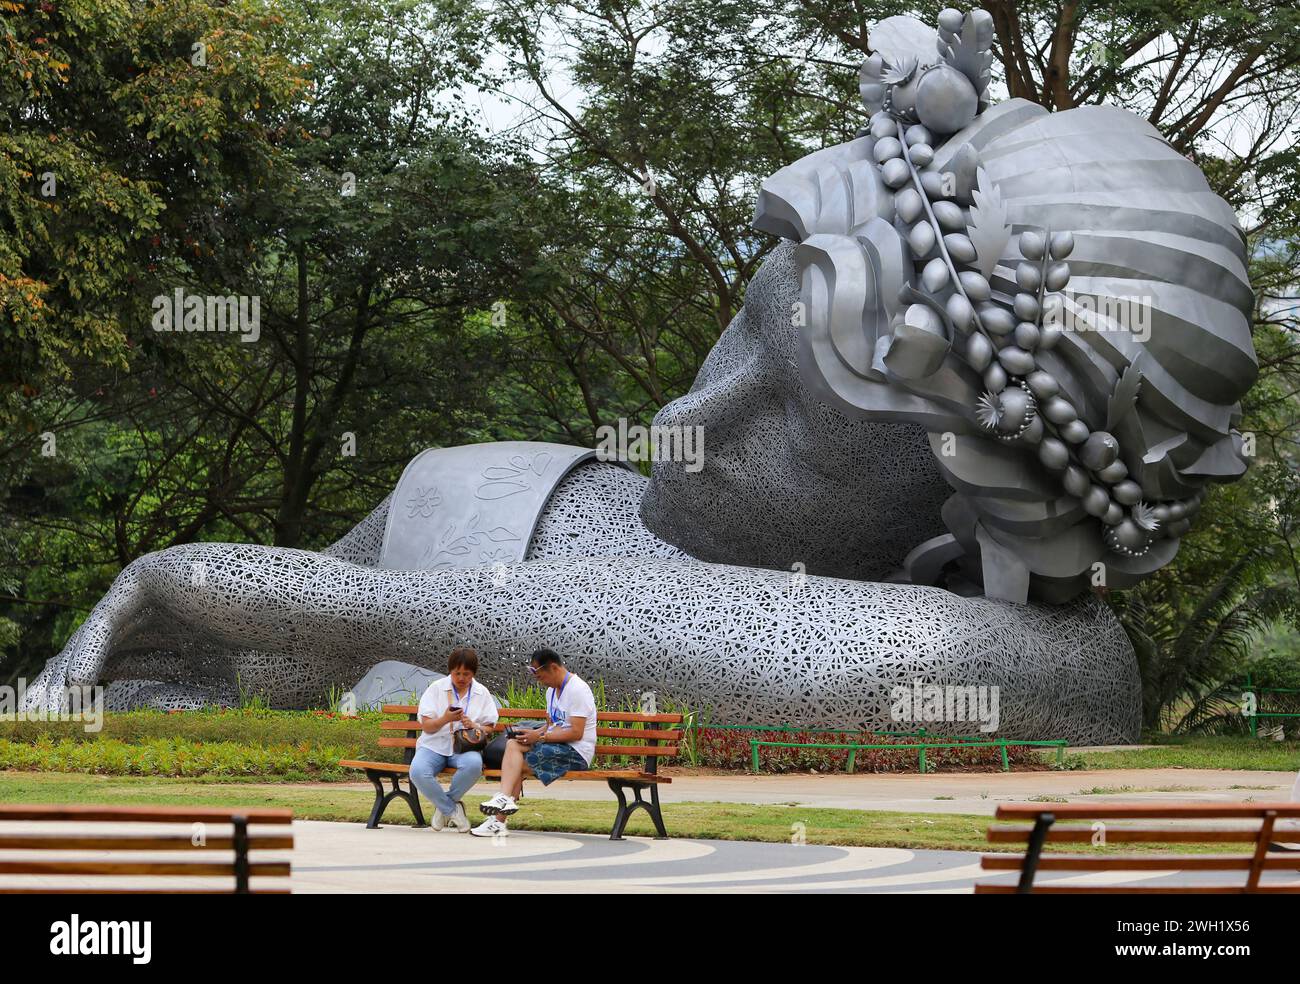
point(18, 848)
point(1047, 826)
point(649, 744)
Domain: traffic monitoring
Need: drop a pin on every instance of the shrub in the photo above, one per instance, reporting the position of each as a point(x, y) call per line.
point(724, 748)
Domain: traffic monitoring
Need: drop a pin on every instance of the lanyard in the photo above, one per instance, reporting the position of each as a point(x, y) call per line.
point(553, 698)
point(464, 703)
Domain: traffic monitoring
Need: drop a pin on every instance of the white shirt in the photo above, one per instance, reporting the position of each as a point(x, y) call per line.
point(481, 709)
point(574, 699)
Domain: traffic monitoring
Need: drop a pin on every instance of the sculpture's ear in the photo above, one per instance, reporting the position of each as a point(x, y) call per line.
point(832, 191)
point(849, 291)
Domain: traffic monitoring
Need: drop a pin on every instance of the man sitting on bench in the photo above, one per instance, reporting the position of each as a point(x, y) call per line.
point(566, 743)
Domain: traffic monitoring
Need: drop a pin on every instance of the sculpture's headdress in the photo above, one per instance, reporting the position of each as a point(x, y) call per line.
point(1078, 408)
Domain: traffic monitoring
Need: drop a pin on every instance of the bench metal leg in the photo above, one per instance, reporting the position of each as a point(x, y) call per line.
point(1037, 838)
point(626, 809)
point(382, 799)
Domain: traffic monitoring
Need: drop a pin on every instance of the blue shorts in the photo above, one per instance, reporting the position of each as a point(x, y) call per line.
point(549, 762)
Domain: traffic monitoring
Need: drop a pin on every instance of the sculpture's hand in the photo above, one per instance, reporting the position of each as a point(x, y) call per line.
point(145, 601)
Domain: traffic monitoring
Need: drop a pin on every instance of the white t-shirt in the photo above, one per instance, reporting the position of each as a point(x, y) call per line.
point(574, 699)
point(481, 709)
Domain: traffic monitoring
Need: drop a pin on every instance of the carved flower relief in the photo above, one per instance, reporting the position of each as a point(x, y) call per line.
point(423, 503)
point(456, 548)
point(502, 481)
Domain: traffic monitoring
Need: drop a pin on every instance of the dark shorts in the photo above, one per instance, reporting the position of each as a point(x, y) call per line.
point(549, 762)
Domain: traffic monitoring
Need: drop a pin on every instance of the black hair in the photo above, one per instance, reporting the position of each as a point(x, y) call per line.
point(547, 657)
point(463, 656)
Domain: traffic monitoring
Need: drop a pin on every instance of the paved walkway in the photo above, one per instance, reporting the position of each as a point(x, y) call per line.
point(975, 792)
point(337, 857)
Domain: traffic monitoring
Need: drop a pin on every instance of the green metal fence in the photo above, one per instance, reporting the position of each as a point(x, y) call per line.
point(1256, 715)
point(936, 742)
point(920, 748)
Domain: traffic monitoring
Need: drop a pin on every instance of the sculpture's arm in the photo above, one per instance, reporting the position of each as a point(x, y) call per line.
point(362, 544)
point(747, 643)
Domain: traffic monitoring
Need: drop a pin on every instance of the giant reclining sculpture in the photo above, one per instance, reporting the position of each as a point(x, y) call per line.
point(993, 364)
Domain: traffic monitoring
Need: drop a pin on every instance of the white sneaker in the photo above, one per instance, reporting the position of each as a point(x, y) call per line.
point(500, 803)
point(491, 827)
point(459, 822)
point(439, 821)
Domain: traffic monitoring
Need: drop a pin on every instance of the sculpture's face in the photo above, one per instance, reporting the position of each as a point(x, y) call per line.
point(786, 478)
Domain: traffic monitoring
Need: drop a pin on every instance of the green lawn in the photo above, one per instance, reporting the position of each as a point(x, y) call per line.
point(1177, 752)
point(715, 821)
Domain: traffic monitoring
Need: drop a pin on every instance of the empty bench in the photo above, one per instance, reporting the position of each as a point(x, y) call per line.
point(1085, 823)
point(44, 850)
point(649, 742)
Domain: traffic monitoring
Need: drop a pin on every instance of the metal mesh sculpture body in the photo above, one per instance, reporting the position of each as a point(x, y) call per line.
point(755, 645)
point(899, 399)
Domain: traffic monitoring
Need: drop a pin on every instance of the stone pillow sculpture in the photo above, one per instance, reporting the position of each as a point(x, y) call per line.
point(993, 364)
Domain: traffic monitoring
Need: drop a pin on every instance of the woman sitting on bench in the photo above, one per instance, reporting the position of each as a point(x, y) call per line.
point(455, 703)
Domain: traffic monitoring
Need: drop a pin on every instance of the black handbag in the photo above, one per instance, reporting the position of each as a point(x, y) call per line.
point(494, 753)
point(469, 740)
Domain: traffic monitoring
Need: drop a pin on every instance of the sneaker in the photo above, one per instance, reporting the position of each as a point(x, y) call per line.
point(459, 822)
point(491, 827)
point(499, 804)
point(439, 821)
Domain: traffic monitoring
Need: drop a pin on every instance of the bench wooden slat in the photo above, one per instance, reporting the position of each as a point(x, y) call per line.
point(164, 842)
point(637, 751)
point(137, 891)
point(1147, 811)
point(634, 775)
point(256, 869)
point(397, 767)
point(627, 717)
point(1049, 889)
point(1085, 835)
point(1139, 862)
point(637, 734)
point(535, 712)
point(143, 814)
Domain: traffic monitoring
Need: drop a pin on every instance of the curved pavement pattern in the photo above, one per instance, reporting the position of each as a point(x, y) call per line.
point(338, 857)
